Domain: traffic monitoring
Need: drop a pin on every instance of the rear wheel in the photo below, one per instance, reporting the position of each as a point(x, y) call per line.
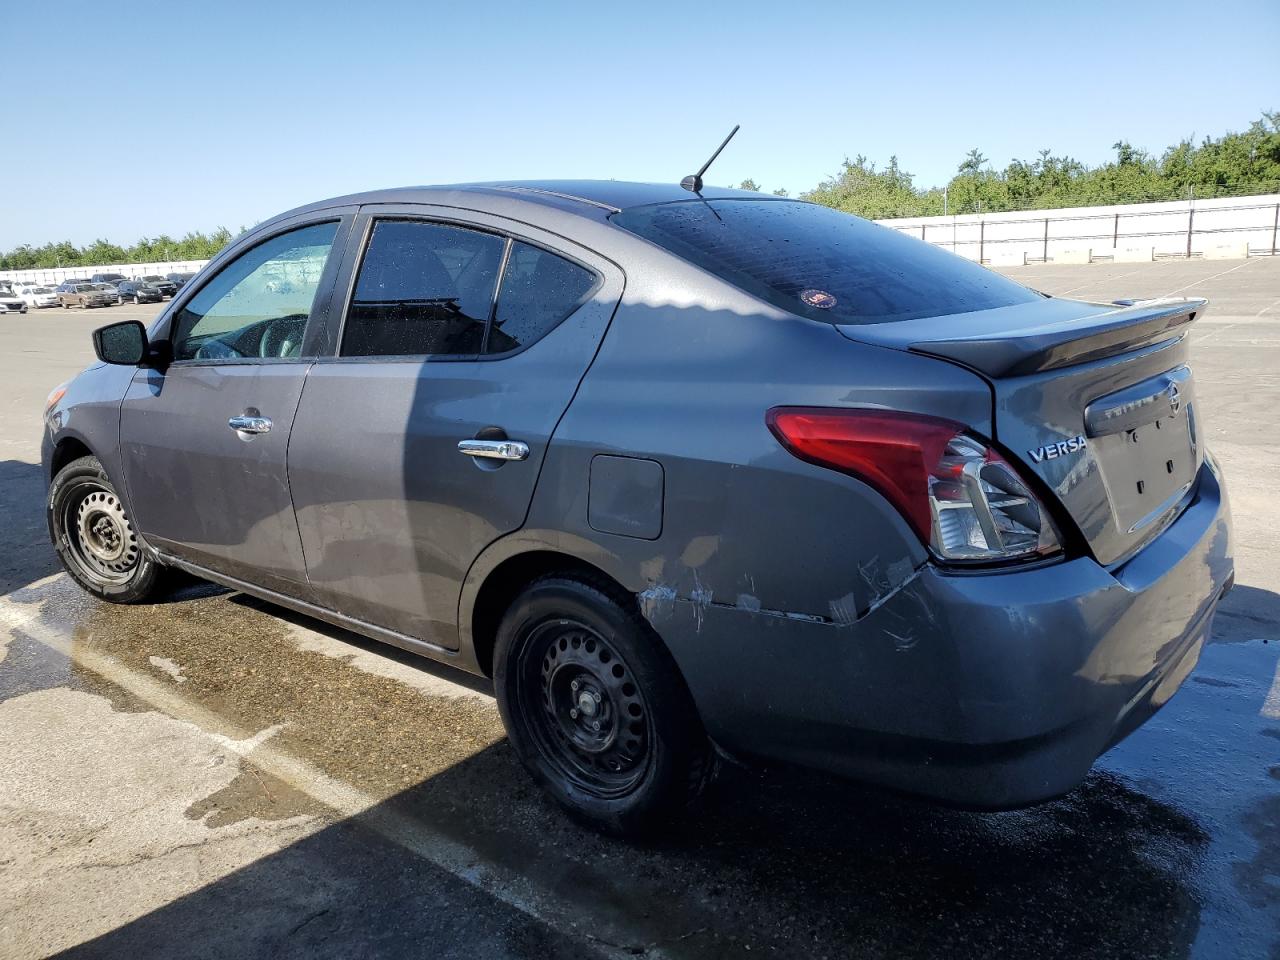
point(94, 537)
point(595, 707)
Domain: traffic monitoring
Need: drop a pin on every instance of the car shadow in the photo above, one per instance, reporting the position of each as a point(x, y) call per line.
point(796, 864)
point(26, 555)
point(1247, 613)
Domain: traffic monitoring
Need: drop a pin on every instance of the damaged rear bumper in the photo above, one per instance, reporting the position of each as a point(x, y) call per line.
point(991, 690)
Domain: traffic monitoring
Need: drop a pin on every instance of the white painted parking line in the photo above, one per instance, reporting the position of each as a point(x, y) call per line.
point(1214, 276)
point(1229, 326)
point(1270, 306)
point(1094, 283)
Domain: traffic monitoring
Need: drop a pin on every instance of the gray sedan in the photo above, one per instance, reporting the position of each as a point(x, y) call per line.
point(689, 476)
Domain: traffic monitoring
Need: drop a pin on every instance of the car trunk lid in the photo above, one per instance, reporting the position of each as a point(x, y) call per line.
point(1096, 400)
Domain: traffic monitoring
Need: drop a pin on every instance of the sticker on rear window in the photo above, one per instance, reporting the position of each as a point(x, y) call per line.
point(818, 298)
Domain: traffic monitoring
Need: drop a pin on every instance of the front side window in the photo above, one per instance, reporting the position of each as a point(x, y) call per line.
point(539, 289)
point(257, 305)
point(424, 289)
point(819, 262)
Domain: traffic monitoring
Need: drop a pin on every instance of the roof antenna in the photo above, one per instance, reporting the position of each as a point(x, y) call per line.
point(693, 182)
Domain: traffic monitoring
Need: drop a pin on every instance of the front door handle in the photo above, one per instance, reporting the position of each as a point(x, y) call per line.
point(495, 449)
point(245, 424)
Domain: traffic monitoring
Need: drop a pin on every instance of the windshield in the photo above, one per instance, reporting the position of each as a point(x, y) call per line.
point(819, 262)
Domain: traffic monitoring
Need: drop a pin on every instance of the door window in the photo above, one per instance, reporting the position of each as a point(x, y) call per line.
point(424, 289)
point(257, 305)
point(539, 289)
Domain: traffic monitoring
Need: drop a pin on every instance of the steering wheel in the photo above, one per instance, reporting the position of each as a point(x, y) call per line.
point(281, 338)
point(215, 349)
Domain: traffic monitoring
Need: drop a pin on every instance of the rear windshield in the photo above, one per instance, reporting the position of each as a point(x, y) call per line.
point(821, 263)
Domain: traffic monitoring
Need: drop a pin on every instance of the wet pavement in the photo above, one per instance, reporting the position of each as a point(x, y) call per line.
point(214, 776)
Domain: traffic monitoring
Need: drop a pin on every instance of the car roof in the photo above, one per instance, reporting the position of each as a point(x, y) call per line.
point(595, 199)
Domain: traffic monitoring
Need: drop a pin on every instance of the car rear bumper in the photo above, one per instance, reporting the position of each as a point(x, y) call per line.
point(991, 690)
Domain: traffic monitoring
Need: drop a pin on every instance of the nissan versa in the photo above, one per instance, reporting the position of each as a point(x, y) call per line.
point(687, 474)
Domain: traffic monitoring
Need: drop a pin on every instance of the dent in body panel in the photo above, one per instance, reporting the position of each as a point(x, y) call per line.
point(660, 603)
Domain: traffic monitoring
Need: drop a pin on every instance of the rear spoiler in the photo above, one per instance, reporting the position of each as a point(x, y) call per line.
point(1034, 347)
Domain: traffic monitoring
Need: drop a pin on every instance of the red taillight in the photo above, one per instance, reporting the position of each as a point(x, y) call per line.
point(965, 503)
point(893, 452)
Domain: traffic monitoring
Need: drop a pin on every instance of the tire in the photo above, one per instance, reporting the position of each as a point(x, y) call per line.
point(572, 652)
point(111, 563)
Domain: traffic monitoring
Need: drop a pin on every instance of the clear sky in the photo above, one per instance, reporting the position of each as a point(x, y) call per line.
point(124, 120)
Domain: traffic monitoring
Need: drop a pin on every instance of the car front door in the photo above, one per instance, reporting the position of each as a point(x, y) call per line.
point(203, 440)
point(453, 332)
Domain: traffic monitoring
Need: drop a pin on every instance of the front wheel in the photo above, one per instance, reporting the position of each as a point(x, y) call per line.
point(94, 537)
point(596, 708)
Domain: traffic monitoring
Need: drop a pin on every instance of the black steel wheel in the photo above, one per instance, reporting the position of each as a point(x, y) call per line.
point(94, 537)
point(597, 730)
point(596, 708)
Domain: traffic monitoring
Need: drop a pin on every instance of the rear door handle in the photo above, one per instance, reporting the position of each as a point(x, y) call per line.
point(250, 424)
point(495, 449)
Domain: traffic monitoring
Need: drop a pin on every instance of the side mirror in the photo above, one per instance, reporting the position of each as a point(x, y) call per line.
point(123, 343)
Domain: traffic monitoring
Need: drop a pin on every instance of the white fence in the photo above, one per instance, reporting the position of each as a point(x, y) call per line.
point(1227, 227)
point(52, 276)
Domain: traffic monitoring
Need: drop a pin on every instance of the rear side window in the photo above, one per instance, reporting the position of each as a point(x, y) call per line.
point(821, 263)
point(424, 289)
point(539, 289)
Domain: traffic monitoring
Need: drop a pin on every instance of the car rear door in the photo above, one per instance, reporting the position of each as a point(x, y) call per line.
point(204, 440)
point(458, 329)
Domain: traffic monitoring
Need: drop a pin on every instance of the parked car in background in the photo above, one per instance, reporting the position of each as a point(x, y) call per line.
point(12, 303)
point(106, 277)
point(179, 279)
point(37, 295)
point(85, 295)
point(139, 291)
point(109, 288)
point(865, 506)
point(166, 286)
